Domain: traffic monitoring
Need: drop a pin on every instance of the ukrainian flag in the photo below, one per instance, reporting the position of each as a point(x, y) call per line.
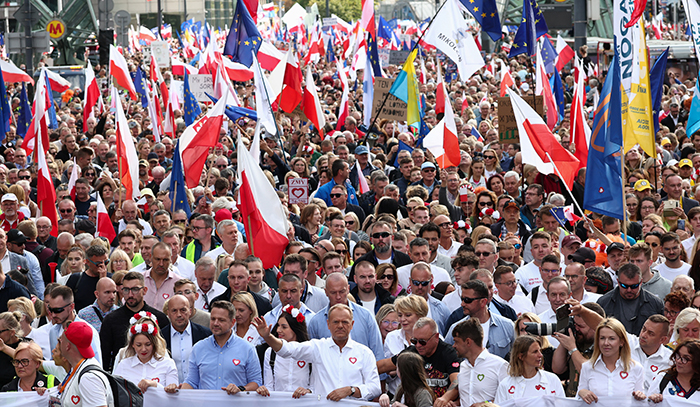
point(406, 88)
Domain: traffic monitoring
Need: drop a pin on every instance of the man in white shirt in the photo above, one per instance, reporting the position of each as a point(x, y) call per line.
point(131, 212)
point(463, 266)
point(208, 289)
point(671, 249)
point(479, 373)
point(575, 273)
point(549, 268)
point(419, 251)
point(529, 274)
point(342, 367)
point(507, 286)
point(228, 233)
point(181, 335)
point(448, 246)
point(558, 291)
point(181, 266)
point(694, 219)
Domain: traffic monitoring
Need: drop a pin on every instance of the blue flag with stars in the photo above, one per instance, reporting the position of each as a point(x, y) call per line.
point(236, 112)
point(549, 56)
point(4, 109)
point(25, 112)
point(486, 13)
point(373, 56)
point(558, 90)
point(192, 109)
point(243, 39)
point(140, 87)
point(178, 196)
point(384, 30)
point(402, 147)
point(532, 26)
point(330, 54)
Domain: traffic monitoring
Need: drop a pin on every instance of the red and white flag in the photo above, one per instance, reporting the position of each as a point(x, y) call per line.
point(11, 73)
point(536, 141)
point(506, 79)
point(442, 141)
point(74, 175)
point(261, 210)
point(172, 104)
point(440, 91)
point(146, 35)
point(58, 83)
point(566, 53)
point(158, 78)
point(362, 186)
point(580, 132)
point(311, 104)
point(542, 88)
point(105, 227)
point(39, 128)
point(198, 139)
point(119, 70)
point(45, 192)
point(178, 67)
point(92, 94)
point(126, 151)
point(269, 56)
point(343, 111)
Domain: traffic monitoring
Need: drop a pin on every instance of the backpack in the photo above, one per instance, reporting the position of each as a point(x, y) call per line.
point(125, 393)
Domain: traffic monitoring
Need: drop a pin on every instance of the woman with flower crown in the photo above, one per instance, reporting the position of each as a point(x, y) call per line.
point(285, 374)
point(146, 361)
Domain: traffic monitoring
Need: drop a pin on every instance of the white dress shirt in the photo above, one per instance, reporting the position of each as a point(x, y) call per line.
point(251, 336)
point(542, 303)
point(550, 317)
point(180, 347)
point(216, 290)
point(334, 368)
point(652, 364)
point(479, 383)
point(451, 252)
point(542, 384)
point(184, 268)
point(439, 275)
point(313, 297)
point(273, 316)
point(289, 374)
point(147, 230)
point(519, 303)
point(163, 371)
point(598, 379)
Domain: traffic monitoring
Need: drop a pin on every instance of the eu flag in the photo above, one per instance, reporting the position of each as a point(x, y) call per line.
point(532, 26)
point(178, 196)
point(656, 79)
point(330, 53)
point(402, 147)
point(191, 109)
point(384, 30)
point(236, 112)
point(243, 38)
point(486, 13)
point(558, 89)
point(5, 109)
point(140, 87)
point(373, 56)
point(603, 189)
point(549, 56)
point(25, 112)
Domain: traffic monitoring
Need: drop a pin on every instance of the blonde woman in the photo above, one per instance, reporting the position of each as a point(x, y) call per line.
point(74, 263)
point(246, 312)
point(119, 261)
point(409, 309)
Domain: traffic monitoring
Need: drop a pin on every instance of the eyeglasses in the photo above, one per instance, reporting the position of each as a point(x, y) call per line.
point(629, 286)
point(387, 277)
point(468, 300)
point(489, 204)
point(99, 263)
point(197, 228)
point(669, 312)
point(381, 235)
point(420, 283)
point(336, 195)
point(185, 292)
point(572, 276)
point(422, 342)
point(59, 310)
point(5, 330)
point(483, 254)
point(681, 359)
point(133, 290)
point(23, 362)
point(510, 283)
point(445, 225)
point(394, 324)
point(551, 271)
point(428, 170)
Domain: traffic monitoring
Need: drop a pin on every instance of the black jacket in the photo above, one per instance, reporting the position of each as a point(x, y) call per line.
point(357, 210)
point(398, 259)
point(198, 333)
point(668, 121)
point(383, 296)
point(41, 380)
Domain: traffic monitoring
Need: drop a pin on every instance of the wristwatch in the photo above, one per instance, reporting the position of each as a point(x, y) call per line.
point(352, 390)
point(241, 388)
point(571, 352)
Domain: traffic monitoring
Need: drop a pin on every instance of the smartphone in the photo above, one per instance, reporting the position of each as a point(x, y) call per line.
point(681, 224)
point(562, 314)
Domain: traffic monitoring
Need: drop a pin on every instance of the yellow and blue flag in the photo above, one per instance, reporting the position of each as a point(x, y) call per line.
point(406, 88)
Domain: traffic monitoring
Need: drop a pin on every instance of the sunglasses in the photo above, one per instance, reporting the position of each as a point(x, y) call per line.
point(490, 204)
point(468, 300)
point(99, 263)
point(387, 277)
point(66, 210)
point(629, 286)
point(349, 222)
point(420, 283)
point(517, 246)
point(341, 251)
point(489, 157)
point(27, 177)
point(382, 235)
point(484, 254)
point(336, 195)
point(428, 170)
point(59, 310)
point(422, 342)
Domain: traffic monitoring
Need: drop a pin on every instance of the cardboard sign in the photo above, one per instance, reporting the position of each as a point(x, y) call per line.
point(398, 57)
point(161, 52)
point(200, 85)
point(394, 108)
point(298, 190)
point(507, 126)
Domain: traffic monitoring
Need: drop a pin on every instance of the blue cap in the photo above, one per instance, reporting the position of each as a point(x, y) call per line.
point(361, 150)
point(427, 164)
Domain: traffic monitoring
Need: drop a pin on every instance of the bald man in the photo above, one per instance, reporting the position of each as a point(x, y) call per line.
point(182, 334)
point(106, 294)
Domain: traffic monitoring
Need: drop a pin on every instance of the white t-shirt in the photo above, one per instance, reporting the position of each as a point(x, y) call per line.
point(369, 305)
point(529, 276)
point(671, 273)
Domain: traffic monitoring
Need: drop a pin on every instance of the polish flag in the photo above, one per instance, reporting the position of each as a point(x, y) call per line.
point(155, 114)
point(38, 129)
point(237, 72)
point(74, 175)
point(158, 78)
point(45, 192)
point(580, 132)
point(362, 186)
point(423, 77)
point(269, 56)
point(92, 94)
point(285, 83)
point(179, 67)
point(506, 79)
point(146, 35)
point(536, 141)
point(311, 104)
point(198, 139)
point(11, 73)
point(173, 104)
point(367, 19)
point(343, 111)
point(442, 141)
point(440, 91)
point(465, 102)
point(120, 71)
point(262, 212)
point(58, 83)
point(126, 152)
point(566, 53)
point(105, 227)
point(542, 88)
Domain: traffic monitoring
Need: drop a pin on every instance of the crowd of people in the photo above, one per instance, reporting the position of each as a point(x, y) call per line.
point(436, 287)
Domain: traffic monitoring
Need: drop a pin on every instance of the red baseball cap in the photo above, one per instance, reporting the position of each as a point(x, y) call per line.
point(79, 333)
point(222, 214)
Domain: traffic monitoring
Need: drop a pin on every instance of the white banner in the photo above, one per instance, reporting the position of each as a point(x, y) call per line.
point(548, 401)
point(627, 39)
point(692, 11)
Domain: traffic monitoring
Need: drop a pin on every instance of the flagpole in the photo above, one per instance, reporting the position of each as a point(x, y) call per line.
point(386, 97)
point(623, 228)
point(250, 238)
point(566, 186)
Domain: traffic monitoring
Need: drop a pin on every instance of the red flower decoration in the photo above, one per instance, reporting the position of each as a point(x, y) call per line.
point(300, 318)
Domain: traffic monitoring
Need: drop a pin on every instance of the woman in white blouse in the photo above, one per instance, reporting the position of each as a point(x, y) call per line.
point(682, 379)
point(246, 311)
point(146, 362)
point(286, 374)
point(409, 310)
point(611, 371)
point(526, 378)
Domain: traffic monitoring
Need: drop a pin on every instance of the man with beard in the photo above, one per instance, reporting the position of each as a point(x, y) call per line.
point(367, 292)
point(105, 293)
point(382, 237)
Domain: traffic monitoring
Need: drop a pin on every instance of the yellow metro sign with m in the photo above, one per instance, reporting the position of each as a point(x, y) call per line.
point(56, 29)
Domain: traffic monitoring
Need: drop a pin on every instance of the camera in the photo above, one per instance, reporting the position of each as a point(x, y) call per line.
point(564, 322)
